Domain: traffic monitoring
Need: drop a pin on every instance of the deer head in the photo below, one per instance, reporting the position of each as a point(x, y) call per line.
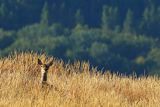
point(44, 70)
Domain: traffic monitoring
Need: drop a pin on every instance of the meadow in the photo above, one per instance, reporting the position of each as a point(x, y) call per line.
point(74, 85)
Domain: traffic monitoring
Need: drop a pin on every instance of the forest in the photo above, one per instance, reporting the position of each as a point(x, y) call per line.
point(120, 36)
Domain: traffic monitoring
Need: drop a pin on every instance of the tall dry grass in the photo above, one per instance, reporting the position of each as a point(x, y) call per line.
point(73, 86)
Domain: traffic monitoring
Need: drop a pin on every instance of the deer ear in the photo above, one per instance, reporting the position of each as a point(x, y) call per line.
point(39, 62)
point(50, 62)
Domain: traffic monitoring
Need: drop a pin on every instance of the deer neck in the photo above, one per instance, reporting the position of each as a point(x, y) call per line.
point(43, 76)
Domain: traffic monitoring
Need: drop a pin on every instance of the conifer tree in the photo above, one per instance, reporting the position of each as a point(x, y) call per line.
point(79, 19)
point(109, 18)
point(44, 15)
point(127, 25)
point(105, 18)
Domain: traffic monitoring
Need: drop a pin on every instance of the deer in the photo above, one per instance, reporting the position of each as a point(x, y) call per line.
point(44, 72)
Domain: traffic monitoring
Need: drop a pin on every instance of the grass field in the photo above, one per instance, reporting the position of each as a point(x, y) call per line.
point(73, 85)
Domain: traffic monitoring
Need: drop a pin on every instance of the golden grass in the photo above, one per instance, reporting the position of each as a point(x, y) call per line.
point(73, 86)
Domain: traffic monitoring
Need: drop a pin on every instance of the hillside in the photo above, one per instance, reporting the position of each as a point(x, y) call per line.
point(74, 85)
point(118, 35)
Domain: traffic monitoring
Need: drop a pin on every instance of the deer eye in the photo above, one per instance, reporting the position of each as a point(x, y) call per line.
point(47, 66)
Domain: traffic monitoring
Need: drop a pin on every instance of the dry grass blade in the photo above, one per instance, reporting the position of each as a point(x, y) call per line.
point(73, 85)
